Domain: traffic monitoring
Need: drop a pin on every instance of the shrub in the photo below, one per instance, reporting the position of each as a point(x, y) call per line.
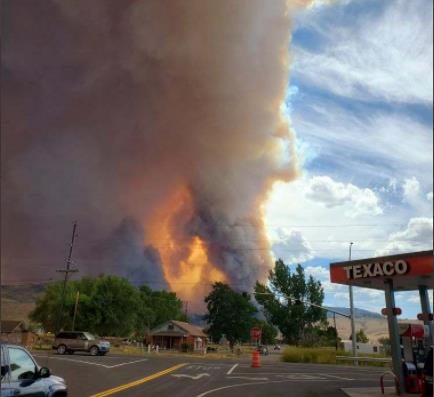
point(325, 355)
point(309, 355)
point(186, 347)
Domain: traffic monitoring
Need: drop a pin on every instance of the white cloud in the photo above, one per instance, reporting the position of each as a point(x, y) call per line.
point(384, 55)
point(418, 235)
point(327, 228)
point(429, 196)
point(331, 193)
point(291, 246)
point(337, 294)
point(411, 190)
point(372, 146)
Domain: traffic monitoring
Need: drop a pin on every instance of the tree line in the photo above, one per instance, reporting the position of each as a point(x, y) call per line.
point(285, 301)
point(111, 305)
point(108, 305)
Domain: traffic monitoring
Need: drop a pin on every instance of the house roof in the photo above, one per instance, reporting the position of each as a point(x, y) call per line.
point(186, 328)
point(189, 328)
point(8, 326)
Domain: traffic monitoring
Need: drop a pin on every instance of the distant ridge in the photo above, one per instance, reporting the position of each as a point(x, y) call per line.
point(359, 313)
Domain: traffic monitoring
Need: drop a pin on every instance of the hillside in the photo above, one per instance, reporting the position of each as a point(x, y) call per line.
point(361, 313)
point(17, 301)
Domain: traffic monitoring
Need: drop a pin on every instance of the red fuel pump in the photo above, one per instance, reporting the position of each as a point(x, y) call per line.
point(413, 353)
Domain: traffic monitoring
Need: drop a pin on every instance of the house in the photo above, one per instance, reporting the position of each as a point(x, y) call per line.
point(362, 347)
point(14, 331)
point(173, 334)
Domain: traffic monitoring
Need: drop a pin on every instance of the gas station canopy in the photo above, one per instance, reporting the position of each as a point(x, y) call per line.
point(408, 271)
point(404, 272)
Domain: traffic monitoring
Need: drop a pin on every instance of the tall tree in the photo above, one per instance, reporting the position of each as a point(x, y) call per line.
point(285, 299)
point(229, 313)
point(113, 306)
point(157, 307)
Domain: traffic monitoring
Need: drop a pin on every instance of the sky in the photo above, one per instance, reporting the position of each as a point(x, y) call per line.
point(154, 124)
point(360, 101)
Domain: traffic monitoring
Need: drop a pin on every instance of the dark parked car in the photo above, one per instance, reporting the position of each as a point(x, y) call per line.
point(22, 376)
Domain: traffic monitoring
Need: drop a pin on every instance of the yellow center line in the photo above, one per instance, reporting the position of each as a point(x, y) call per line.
point(138, 382)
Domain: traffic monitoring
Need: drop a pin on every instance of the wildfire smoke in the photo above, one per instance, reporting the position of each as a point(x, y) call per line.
point(156, 124)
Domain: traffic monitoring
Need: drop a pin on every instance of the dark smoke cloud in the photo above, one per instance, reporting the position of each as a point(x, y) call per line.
point(109, 106)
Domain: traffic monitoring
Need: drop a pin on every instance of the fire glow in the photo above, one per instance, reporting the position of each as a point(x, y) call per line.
point(184, 257)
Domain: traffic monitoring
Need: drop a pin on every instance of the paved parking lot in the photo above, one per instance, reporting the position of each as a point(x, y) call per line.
point(128, 376)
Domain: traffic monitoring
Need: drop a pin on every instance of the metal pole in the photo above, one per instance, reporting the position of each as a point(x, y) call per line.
point(426, 310)
point(77, 297)
point(65, 280)
point(353, 325)
point(395, 343)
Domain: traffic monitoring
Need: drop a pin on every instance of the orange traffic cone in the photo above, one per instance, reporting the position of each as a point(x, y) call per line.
point(255, 359)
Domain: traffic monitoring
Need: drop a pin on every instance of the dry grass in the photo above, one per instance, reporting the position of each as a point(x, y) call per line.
point(317, 355)
point(325, 355)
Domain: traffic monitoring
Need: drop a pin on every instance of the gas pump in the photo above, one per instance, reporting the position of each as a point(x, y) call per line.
point(413, 353)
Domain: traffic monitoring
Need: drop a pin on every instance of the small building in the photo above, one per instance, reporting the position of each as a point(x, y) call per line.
point(362, 347)
point(173, 334)
point(14, 331)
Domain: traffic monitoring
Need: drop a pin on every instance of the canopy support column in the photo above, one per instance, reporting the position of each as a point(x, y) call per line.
point(426, 309)
point(394, 333)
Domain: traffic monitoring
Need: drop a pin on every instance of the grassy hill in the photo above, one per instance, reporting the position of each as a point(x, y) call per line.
point(17, 301)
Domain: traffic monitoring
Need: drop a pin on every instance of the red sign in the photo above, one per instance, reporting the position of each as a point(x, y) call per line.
point(255, 333)
point(412, 265)
point(396, 311)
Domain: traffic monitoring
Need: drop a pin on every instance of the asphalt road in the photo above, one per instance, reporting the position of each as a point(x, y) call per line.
point(128, 376)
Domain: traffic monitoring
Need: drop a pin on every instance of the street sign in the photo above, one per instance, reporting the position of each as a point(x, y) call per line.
point(255, 333)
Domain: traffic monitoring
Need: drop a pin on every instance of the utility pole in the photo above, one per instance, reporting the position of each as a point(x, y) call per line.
point(353, 325)
point(336, 331)
point(67, 270)
point(186, 309)
point(77, 297)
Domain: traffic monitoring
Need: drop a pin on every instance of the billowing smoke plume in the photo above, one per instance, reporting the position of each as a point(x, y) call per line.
point(155, 124)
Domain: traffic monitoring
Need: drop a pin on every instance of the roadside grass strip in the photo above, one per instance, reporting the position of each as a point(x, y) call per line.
point(138, 382)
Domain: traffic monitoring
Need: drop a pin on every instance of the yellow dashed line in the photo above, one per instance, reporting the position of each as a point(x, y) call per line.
point(138, 382)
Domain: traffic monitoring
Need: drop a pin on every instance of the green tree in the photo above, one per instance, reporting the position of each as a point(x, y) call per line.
point(157, 307)
point(385, 343)
point(47, 309)
point(229, 313)
point(362, 337)
point(113, 308)
point(108, 305)
point(284, 302)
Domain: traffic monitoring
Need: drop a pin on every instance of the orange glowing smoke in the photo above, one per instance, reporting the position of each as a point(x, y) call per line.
point(185, 262)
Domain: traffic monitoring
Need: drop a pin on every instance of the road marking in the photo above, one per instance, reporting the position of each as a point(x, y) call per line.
point(198, 376)
point(337, 377)
point(203, 367)
point(94, 363)
point(302, 377)
point(138, 382)
point(127, 363)
point(231, 369)
point(76, 361)
point(245, 377)
point(251, 384)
